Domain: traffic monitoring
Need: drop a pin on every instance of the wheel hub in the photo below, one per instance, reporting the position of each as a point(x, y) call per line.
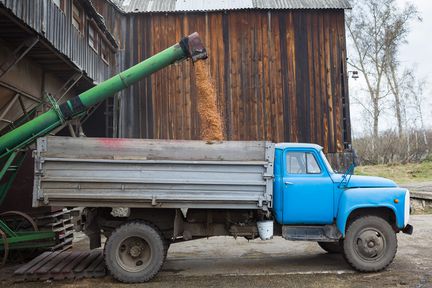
point(135, 251)
point(370, 244)
point(133, 254)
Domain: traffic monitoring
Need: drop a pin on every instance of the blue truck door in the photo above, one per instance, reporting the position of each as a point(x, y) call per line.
point(307, 189)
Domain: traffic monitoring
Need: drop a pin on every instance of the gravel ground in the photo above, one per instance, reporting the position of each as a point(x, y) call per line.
point(225, 262)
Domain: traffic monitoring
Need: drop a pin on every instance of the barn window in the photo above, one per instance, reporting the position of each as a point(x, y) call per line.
point(104, 52)
point(93, 37)
point(77, 16)
point(61, 4)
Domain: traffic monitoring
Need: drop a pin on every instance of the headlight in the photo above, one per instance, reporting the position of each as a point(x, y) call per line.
point(407, 207)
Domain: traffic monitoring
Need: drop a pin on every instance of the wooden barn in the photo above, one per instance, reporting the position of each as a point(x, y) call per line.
point(279, 68)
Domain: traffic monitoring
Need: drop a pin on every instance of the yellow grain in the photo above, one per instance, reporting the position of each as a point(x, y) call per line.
point(210, 118)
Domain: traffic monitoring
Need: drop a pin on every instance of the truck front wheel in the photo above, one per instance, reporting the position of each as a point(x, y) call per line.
point(370, 244)
point(135, 252)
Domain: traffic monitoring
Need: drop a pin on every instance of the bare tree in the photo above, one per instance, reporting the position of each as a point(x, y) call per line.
point(395, 37)
point(377, 28)
point(414, 94)
point(395, 88)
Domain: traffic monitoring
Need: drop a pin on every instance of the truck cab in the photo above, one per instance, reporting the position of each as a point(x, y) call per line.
point(356, 215)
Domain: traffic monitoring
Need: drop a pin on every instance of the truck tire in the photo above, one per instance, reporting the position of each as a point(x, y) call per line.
point(370, 244)
point(135, 252)
point(331, 247)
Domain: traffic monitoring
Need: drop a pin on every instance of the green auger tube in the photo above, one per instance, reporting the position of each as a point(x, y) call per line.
point(24, 135)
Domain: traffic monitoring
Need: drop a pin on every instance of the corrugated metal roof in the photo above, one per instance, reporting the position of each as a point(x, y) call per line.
point(150, 6)
point(302, 4)
point(206, 5)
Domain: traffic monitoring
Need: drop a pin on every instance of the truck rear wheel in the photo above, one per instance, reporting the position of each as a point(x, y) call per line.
point(331, 247)
point(370, 244)
point(135, 252)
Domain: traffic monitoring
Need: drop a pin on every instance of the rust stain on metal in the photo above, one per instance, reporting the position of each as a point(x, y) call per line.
point(210, 118)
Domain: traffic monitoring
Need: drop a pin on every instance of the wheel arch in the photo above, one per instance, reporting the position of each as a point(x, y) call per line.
point(162, 218)
point(388, 213)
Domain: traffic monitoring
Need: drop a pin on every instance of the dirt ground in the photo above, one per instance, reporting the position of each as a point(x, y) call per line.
point(225, 262)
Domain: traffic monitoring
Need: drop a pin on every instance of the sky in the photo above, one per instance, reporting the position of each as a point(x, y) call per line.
point(416, 53)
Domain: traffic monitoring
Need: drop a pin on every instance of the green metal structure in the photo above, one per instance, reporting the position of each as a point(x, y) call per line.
point(12, 144)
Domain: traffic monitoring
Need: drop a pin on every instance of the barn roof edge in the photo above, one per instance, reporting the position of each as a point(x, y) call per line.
point(179, 6)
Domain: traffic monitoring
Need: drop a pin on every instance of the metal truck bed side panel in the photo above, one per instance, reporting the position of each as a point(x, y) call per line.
point(100, 172)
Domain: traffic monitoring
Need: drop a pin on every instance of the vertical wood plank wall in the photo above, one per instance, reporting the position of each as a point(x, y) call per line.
point(280, 75)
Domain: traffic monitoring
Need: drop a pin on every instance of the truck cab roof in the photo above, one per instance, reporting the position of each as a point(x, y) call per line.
point(298, 145)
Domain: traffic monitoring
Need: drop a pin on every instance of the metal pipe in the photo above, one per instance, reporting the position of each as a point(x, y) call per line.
point(188, 47)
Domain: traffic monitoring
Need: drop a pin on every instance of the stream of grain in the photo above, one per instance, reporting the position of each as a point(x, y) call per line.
point(210, 118)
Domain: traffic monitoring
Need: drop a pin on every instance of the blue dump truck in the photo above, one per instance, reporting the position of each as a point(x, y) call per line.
point(144, 195)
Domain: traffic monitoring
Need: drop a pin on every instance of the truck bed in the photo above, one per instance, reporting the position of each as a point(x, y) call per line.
point(106, 172)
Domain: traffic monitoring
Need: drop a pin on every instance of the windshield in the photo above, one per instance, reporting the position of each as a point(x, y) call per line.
point(329, 168)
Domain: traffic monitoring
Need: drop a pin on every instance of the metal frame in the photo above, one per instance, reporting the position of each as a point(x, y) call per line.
point(17, 56)
point(9, 167)
point(21, 92)
point(10, 239)
point(8, 108)
point(23, 239)
point(13, 158)
point(72, 81)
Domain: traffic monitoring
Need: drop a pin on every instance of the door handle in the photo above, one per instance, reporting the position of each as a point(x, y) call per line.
point(289, 183)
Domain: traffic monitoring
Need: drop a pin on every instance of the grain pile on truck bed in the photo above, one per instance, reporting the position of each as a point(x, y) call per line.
point(211, 122)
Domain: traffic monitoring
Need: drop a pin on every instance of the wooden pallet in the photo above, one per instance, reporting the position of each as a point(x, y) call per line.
point(63, 265)
point(61, 223)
